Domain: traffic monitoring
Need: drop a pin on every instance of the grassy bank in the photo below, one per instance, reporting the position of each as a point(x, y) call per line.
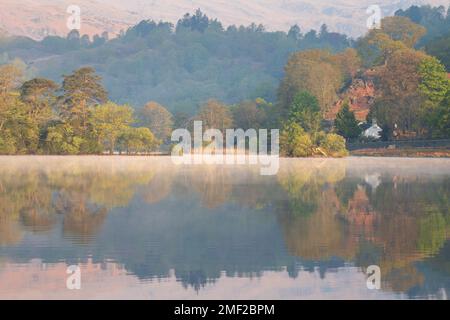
point(404, 152)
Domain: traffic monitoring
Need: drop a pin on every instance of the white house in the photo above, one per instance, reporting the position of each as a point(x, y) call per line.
point(374, 132)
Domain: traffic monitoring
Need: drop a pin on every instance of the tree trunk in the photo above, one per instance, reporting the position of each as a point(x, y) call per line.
point(111, 145)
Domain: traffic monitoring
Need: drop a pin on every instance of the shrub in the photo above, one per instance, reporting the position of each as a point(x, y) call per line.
point(334, 145)
point(290, 132)
point(303, 146)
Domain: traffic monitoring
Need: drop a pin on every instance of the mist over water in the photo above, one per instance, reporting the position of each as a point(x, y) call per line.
point(142, 227)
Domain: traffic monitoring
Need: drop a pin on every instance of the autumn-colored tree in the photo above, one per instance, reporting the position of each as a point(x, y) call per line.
point(376, 48)
point(9, 80)
point(402, 29)
point(215, 115)
point(247, 115)
point(158, 119)
point(349, 61)
point(396, 33)
point(10, 77)
point(314, 71)
point(398, 82)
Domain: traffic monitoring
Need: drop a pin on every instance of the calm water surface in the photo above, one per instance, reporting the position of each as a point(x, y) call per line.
point(144, 228)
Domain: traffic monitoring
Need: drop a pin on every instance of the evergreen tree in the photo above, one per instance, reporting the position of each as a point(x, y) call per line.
point(305, 111)
point(346, 124)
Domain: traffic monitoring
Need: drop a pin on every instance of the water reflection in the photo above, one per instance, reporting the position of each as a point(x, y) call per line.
point(201, 226)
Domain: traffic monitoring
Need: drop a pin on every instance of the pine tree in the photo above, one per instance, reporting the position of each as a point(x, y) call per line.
point(346, 124)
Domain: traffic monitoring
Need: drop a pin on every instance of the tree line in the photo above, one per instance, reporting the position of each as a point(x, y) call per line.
point(412, 87)
point(413, 97)
point(180, 66)
point(39, 117)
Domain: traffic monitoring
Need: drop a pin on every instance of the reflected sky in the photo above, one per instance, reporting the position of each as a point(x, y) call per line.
point(144, 228)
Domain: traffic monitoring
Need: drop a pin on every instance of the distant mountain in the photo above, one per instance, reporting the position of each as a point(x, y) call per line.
point(38, 18)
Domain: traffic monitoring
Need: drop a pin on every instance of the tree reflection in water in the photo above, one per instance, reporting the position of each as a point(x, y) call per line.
point(379, 213)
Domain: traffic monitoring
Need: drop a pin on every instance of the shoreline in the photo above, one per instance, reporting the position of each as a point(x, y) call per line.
point(353, 154)
point(403, 153)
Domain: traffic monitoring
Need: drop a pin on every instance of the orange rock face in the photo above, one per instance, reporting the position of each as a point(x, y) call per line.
point(360, 96)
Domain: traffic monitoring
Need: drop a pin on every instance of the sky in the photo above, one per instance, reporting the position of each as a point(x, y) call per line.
point(38, 18)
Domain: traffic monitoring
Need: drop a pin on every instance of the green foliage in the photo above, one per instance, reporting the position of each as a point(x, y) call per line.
point(62, 140)
point(39, 94)
point(434, 82)
point(109, 120)
point(301, 135)
point(18, 131)
point(181, 68)
point(434, 19)
point(440, 48)
point(7, 143)
point(290, 131)
point(346, 124)
point(83, 86)
point(81, 90)
point(302, 146)
point(200, 60)
point(432, 232)
point(437, 23)
point(412, 85)
point(34, 120)
point(136, 140)
point(441, 119)
point(434, 87)
point(295, 142)
point(334, 145)
point(316, 71)
point(305, 111)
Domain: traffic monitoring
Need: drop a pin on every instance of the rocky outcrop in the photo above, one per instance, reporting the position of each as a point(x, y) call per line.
point(360, 96)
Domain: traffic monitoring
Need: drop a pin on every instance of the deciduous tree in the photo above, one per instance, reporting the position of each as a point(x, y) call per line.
point(109, 121)
point(215, 115)
point(157, 119)
point(346, 124)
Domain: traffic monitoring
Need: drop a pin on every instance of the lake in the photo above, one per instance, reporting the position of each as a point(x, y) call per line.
point(144, 228)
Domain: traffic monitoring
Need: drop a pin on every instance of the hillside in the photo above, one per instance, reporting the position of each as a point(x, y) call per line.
point(182, 68)
point(179, 68)
point(38, 18)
